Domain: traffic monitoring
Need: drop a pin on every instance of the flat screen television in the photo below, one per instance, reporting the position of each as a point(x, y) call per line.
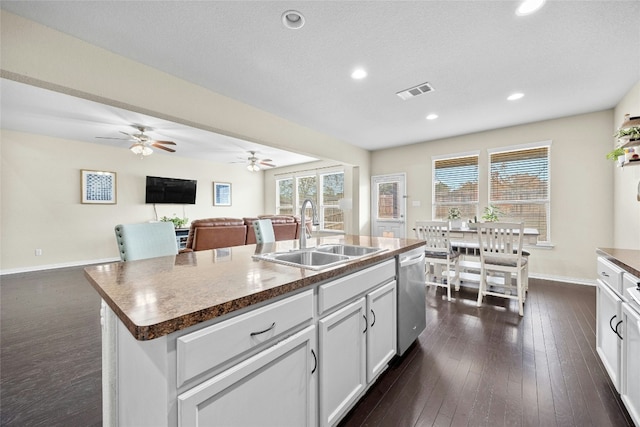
point(170, 190)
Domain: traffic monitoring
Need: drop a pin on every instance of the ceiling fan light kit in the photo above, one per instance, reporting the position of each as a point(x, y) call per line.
point(142, 144)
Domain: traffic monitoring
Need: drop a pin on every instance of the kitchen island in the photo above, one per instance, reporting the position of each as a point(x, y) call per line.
point(218, 337)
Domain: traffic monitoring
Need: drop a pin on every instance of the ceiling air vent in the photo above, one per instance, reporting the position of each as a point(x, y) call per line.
point(415, 91)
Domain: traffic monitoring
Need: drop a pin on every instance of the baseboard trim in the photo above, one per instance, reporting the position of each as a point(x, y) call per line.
point(573, 280)
point(56, 266)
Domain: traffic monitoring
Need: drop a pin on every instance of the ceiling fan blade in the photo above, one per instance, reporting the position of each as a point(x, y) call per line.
point(267, 164)
point(109, 137)
point(266, 160)
point(162, 147)
point(164, 142)
point(128, 134)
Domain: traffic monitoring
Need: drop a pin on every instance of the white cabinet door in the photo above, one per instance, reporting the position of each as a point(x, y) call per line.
point(342, 338)
point(276, 387)
point(630, 369)
point(608, 315)
point(381, 333)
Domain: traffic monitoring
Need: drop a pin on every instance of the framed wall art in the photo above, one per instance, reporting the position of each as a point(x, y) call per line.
point(221, 194)
point(98, 187)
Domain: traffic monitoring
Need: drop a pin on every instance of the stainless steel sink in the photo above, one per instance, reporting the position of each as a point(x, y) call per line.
point(318, 258)
point(348, 250)
point(310, 259)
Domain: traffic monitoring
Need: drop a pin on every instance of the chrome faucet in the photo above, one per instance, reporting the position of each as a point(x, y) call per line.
point(314, 221)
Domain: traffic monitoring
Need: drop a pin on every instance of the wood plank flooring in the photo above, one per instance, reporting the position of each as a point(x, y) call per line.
point(50, 350)
point(471, 367)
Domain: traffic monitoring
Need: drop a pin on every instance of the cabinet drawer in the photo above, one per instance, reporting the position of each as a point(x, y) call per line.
point(610, 274)
point(209, 347)
point(342, 290)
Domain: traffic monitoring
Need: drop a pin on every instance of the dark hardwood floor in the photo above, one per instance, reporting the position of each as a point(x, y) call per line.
point(50, 350)
point(472, 366)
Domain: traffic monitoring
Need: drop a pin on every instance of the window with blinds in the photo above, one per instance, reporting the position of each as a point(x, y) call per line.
point(519, 187)
point(455, 185)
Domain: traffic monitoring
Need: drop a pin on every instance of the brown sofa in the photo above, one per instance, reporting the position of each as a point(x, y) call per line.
point(213, 233)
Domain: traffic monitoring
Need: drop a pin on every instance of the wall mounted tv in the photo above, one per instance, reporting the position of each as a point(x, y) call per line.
point(170, 190)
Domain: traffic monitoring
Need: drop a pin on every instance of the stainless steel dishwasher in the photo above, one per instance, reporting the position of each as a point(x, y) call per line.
point(411, 298)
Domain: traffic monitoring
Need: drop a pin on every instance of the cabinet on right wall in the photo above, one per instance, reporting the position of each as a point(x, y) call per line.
point(618, 331)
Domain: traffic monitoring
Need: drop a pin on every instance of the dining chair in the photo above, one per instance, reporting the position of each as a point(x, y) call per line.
point(442, 261)
point(264, 231)
point(501, 252)
point(146, 240)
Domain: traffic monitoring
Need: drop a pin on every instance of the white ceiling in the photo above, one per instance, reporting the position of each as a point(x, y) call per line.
point(40, 111)
point(571, 57)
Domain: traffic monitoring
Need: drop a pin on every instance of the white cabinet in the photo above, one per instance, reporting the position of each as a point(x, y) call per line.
point(608, 315)
point(342, 341)
point(276, 387)
point(381, 333)
point(618, 332)
point(630, 380)
point(356, 343)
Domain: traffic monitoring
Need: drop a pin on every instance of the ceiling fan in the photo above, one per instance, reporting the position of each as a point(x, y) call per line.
point(255, 163)
point(142, 143)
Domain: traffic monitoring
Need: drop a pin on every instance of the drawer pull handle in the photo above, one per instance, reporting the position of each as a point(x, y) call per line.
point(616, 331)
point(611, 326)
point(366, 324)
point(315, 358)
point(374, 317)
point(266, 330)
point(604, 273)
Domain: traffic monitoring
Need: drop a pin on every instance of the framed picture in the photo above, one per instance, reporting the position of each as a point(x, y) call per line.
point(98, 187)
point(221, 194)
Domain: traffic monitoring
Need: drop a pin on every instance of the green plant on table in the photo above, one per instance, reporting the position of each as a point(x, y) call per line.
point(177, 222)
point(491, 213)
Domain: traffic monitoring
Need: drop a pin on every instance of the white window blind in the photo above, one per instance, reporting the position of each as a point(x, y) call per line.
point(455, 184)
point(519, 187)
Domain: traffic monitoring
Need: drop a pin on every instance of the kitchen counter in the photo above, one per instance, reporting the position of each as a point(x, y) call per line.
point(627, 259)
point(158, 296)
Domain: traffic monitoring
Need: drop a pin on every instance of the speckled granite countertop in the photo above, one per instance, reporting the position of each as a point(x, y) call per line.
point(627, 259)
point(158, 296)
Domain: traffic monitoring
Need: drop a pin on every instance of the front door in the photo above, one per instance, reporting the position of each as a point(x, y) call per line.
point(388, 206)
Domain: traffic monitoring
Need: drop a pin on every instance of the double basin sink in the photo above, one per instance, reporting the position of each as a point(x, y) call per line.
point(320, 257)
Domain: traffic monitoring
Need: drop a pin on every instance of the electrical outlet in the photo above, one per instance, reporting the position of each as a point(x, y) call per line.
point(38, 252)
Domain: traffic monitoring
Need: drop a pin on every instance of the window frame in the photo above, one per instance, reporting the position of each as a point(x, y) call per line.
point(544, 239)
point(318, 174)
point(434, 203)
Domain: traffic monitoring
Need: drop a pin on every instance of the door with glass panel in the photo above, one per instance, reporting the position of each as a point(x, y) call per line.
point(388, 206)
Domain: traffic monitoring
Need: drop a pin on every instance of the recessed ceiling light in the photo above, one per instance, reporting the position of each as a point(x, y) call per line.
point(432, 116)
point(515, 96)
point(527, 7)
point(358, 74)
point(292, 19)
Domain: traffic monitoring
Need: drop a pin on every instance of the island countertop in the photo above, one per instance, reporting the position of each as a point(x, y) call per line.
point(627, 259)
point(155, 297)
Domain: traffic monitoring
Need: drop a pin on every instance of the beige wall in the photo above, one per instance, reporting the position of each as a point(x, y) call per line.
point(40, 199)
point(581, 181)
point(626, 213)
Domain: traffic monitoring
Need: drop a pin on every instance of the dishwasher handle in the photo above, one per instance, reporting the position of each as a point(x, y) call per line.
point(407, 261)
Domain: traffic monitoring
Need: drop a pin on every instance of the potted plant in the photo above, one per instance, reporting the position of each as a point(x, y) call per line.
point(455, 218)
point(177, 222)
point(491, 213)
point(616, 154)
